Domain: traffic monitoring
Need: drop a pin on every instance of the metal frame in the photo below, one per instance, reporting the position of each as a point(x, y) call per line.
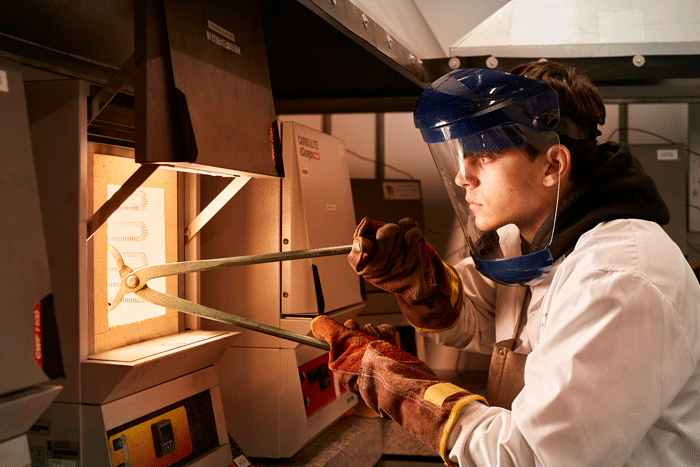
point(357, 25)
point(660, 78)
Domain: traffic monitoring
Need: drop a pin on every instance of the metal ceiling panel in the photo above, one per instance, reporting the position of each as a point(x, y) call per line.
point(585, 28)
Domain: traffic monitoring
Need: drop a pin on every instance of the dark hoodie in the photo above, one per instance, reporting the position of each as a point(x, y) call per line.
point(618, 188)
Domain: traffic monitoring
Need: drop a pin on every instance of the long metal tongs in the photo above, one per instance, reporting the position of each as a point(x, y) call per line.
point(134, 281)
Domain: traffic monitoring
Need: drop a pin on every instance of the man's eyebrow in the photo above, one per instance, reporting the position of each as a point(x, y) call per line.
point(480, 154)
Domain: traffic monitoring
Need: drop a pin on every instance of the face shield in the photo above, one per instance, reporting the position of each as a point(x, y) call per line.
point(476, 124)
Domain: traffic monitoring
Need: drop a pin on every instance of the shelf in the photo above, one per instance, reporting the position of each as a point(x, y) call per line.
point(117, 373)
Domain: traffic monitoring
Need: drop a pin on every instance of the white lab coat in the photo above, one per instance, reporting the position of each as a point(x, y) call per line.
point(612, 377)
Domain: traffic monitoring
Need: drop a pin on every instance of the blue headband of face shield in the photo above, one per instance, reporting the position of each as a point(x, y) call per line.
point(529, 269)
point(470, 101)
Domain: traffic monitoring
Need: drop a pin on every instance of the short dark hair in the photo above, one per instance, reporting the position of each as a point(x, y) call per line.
point(579, 100)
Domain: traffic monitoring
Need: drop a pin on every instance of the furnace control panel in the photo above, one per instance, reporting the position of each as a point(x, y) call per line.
point(317, 384)
point(159, 441)
point(172, 435)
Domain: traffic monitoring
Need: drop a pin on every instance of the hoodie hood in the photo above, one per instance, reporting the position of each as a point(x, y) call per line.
point(617, 189)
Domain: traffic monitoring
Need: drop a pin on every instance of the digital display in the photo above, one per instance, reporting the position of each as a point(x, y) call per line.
point(166, 432)
point(163, 437)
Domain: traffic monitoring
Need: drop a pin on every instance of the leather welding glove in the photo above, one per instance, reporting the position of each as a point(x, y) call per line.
point(385, 332)
point(399, 260)
point(394, 383)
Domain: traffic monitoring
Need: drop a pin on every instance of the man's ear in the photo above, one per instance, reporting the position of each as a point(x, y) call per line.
point(558, 164)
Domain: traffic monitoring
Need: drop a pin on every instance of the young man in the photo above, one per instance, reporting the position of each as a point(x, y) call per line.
point(590, 311)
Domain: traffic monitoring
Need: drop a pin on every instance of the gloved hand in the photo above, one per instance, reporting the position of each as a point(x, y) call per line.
point(399, 260)
point(385, 332)
point(394, 383)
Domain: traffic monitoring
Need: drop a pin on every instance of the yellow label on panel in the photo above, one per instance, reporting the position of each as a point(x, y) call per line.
point(137, 442)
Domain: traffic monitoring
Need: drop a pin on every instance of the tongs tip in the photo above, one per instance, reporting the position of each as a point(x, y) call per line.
point(124, 271)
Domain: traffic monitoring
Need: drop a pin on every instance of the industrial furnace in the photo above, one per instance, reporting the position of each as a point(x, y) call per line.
point(140, 386)
point(140, 389)
point(277, 395)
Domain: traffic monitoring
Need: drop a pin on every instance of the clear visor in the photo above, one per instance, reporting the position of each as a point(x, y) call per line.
point(470, 168)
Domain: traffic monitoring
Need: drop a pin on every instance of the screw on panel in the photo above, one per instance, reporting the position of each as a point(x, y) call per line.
point(638, 60)
point(365, 20)
point(492, 62)
point(390, 40)
point(454, 63)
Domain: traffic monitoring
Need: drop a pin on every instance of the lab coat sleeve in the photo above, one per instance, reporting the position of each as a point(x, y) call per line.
point(475, 330)
point(610, 359)
point(475, 327)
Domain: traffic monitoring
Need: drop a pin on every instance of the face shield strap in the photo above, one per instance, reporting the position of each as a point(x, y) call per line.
point(546, 230)
point(556, 210)
point(573, 130)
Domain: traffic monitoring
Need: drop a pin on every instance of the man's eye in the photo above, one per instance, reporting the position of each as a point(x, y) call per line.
point(479, 158)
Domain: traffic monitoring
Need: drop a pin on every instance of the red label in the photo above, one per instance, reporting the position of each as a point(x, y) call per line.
point(38, 356)
point(272, 142)
point(308, 148)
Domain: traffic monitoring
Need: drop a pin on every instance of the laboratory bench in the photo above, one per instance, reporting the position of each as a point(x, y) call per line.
point(363, 439)
point(359, 441)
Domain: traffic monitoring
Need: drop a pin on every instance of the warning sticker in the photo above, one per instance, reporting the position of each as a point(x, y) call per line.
point(409, 190)
point(216, 28)
point(62, 451)
point(223, 43)
point(242, 461)
point(667, 154)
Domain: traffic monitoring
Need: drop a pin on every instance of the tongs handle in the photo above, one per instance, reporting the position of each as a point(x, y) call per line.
point(169, 301)
point(184, 267)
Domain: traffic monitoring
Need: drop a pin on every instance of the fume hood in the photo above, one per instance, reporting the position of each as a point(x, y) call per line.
point(378, 56)
point(343, 59)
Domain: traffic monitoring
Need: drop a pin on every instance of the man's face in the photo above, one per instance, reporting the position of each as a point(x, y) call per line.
point(504, 187)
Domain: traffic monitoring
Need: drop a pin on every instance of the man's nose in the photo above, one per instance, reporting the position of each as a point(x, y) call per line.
point(465, 179)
